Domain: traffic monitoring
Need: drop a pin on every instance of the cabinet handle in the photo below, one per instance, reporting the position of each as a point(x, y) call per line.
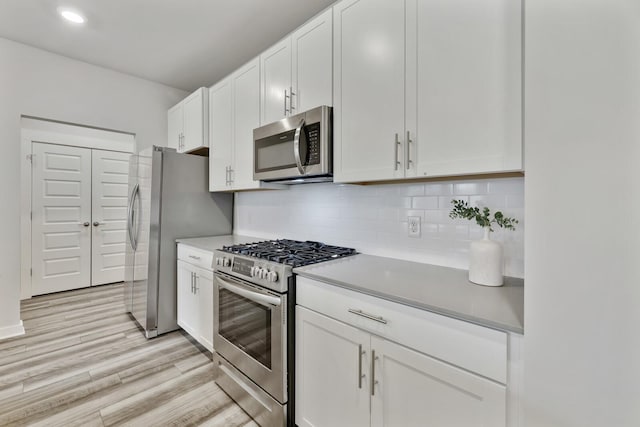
point(230, 175)
point(291, 95)
point(285, 103)
point(195, 283)
point(409, 142)
point(373, 372)
point(395, 160)
point(379, 319)
point(194, 257)
point(226, 175)
point(192, 282)
point(360, 374)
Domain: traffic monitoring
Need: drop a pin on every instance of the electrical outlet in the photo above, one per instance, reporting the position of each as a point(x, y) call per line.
point(414, 226)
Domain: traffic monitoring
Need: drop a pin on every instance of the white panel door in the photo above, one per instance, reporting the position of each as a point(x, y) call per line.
point(415, 390)
point(246, 117)
point(110, 176)
point(369, 101)
point(312, 63)
point(330, 359)
point(464, 58)
point(61, 224)
point(275, 66)
point(221, 135)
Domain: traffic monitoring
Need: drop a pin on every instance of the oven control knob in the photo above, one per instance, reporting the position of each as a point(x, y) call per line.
point(226, 262)
point(253, 271)
point(272, 276)
point(263, 273)
point(218, 261)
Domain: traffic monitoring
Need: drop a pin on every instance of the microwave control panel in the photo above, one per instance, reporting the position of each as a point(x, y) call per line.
point(313, 143)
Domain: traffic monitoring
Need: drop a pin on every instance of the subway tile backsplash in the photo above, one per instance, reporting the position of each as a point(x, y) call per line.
point(373, 218)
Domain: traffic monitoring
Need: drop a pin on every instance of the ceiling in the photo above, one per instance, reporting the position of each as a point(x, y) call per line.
point(180, 43)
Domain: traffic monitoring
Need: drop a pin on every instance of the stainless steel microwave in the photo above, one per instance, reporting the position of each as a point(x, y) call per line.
point(295, 149)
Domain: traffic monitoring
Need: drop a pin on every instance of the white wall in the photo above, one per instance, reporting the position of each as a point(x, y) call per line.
point(373, 218)
point(37, 83)
point(582, 204)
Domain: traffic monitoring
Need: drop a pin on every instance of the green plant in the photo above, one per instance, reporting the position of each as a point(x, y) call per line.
point(461, 209)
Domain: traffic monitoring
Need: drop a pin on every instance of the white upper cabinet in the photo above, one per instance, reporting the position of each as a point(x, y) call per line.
point(234, 113)
point(246, 117)
point(464, 88)
point(275, 77)
point(174, 126)
point(312, 64)
point(369, 73)
point(188, 123)
point(426, 88)
point(296, 73)
point(220, 135)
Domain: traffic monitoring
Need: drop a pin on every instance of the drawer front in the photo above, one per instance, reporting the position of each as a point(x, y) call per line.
point(469, 346)
point(194, 256)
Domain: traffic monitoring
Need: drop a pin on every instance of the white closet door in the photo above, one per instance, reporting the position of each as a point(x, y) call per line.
point(61, 224)
point(110, 174)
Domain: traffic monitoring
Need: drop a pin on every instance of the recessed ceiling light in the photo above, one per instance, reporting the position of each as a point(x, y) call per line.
point(72, 16)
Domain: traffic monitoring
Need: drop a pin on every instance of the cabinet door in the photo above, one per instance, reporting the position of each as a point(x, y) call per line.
point(328, 362)
point(220, 135)
point(369, 73)
point(464, 85)
point(413, 389)
point(275, 78)
point(174, 126)
point(195, 121)
point(204, 294)
point(312, 64)
point(187, 301)
point(246, 117)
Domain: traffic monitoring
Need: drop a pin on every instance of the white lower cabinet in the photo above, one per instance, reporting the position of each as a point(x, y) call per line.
point(355, 369)
point(195, 298)
point(329, 391)
point(413, 389)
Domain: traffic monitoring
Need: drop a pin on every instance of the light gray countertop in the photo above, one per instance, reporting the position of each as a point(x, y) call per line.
point(212, 243)
point(438, 289)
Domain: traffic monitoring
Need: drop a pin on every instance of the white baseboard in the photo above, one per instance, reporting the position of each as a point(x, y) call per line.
point(12, 331)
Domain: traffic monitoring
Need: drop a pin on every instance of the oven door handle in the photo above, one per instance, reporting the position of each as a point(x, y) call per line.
point(296, 147)
point(262, 299)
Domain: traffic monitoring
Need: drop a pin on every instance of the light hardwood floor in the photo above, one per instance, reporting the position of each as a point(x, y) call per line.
point(84, 362)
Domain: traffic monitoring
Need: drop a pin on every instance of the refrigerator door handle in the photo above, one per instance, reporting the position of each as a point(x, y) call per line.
point(130, 216)
point(136, 225)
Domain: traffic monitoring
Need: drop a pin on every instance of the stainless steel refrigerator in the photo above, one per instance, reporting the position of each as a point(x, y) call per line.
point(169, 198)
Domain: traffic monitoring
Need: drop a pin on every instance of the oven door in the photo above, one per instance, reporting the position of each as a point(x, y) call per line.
point(250, 331)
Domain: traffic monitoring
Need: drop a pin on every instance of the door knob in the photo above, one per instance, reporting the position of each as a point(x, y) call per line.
point(86, 224)
point(96, 223)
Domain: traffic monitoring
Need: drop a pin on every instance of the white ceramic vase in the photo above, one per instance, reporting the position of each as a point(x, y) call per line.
point(485, 261)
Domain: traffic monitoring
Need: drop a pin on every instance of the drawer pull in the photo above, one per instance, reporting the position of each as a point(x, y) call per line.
point(368, 316)
point(194, 257)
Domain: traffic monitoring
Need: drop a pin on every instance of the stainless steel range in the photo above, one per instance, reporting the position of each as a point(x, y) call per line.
point(254, 302)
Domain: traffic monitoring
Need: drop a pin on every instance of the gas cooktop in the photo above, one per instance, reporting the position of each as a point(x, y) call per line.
point(290, 252)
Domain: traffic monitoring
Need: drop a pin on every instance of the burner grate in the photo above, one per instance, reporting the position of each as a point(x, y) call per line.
point(291, 252)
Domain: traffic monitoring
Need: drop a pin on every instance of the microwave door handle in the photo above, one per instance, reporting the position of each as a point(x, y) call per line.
point(296, 146)
point(266, 300)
